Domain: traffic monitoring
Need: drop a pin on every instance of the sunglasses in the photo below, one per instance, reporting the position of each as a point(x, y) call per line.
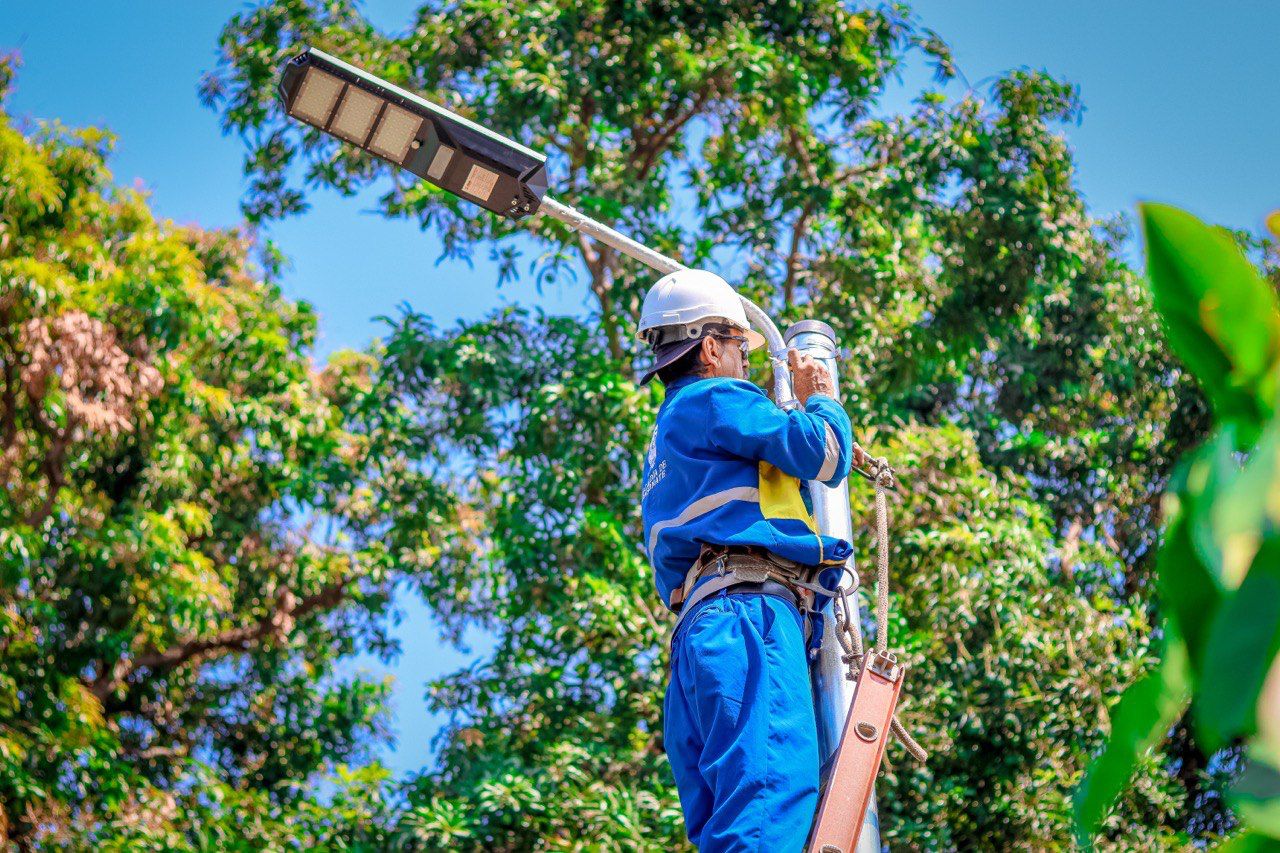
point(742, 343)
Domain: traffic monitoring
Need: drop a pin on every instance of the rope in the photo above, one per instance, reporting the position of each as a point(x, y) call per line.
point(884, 480)
point(910, 744)
point(850, 638)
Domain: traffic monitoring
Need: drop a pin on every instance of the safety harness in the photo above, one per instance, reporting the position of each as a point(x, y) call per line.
point(746, 569)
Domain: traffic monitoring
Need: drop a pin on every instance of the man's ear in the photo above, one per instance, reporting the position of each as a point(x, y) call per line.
point(709, 352)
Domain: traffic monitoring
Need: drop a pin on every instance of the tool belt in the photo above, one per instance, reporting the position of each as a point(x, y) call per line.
point(746, 569)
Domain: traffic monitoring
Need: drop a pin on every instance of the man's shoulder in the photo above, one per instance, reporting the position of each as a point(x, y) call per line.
point(719, 387)
point(706, 402)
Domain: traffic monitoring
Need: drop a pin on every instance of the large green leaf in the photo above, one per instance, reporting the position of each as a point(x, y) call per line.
point(1221, 316)
point(1211, 474)
point(1244, 505)
point(1139, 722)
point(1241, 645)
point(1190, 586)
point(1188, 590)
point(1219, 512)
point(1231, 659)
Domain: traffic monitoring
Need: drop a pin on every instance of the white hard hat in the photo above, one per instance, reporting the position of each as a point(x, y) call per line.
point(676, 307)
point(678, 310)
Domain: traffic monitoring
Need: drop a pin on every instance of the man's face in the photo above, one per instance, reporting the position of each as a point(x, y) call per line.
point(724, 355)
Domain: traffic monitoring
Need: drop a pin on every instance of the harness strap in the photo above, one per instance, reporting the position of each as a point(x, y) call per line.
point(691, 577)
point(747, 571)
point(734, 582)
point(751, 563)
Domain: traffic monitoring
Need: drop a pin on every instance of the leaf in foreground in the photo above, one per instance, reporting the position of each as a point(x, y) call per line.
point(1221, 316)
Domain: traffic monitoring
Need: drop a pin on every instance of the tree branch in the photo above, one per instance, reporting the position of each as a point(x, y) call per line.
point(9, 412)
point(55, 475)
point(580, 149)
point(1071, 549)
point(279, 622)
point(655, 143)
point(589, 256)
point(601, 286)
point(602, 261)
point(802, 157)
point(798, 230)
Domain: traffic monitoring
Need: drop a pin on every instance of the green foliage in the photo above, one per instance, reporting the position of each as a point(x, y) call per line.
point(1139, 722)
point(1220, 562)
point(210, 814)
point(183, 550)
point(994, 677)
point(555, 733)
point(1221, 322)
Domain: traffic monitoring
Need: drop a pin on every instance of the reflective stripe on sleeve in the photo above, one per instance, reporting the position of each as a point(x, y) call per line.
point(702, 506)
point(831, 457)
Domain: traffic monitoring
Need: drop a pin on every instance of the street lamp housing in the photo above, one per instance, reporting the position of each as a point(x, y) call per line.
point(397, 126)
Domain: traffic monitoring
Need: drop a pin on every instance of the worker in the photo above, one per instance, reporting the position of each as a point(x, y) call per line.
point(735, 552)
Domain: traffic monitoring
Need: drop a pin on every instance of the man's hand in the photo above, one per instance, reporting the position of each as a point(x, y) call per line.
point(808, 376)
point(858, 457)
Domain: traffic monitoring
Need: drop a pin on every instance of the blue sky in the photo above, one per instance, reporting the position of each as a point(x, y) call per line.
point(1182, 98)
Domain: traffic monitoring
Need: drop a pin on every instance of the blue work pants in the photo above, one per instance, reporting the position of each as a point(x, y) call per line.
point(740, 730)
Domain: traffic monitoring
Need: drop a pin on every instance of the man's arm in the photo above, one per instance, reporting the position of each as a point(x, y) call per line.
point(815, 443)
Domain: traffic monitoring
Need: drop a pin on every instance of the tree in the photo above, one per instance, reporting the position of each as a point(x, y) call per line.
point(950, 248)
point(1011, 667)
point(183, 540)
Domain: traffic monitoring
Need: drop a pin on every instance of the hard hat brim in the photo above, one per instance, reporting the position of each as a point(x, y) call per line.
point(755, 340)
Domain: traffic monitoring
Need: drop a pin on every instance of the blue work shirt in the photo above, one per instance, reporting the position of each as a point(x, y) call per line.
point(726, 466)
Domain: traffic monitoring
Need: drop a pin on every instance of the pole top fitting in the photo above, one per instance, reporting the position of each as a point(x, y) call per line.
point(812, 326)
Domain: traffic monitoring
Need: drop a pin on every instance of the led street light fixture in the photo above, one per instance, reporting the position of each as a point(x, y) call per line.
point(455, 154)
